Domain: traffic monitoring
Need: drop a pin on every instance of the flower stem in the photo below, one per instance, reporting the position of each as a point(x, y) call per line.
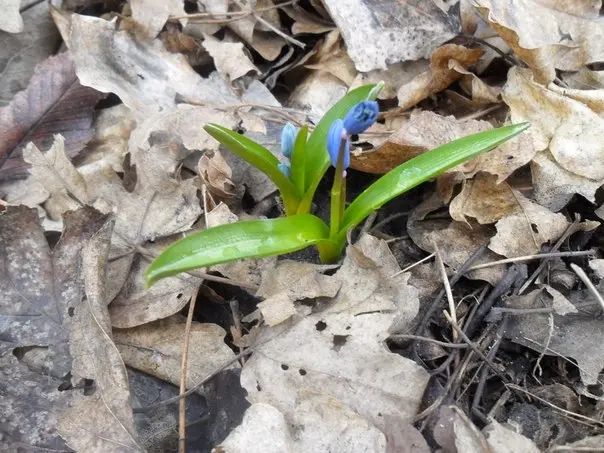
point(338, 193)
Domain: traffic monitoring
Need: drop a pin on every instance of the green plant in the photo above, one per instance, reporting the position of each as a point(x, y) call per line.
point(310, 158)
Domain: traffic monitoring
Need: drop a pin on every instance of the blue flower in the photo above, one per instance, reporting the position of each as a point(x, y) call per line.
point(361, 117)
point(288, 138)
point(285, 169)
point(335, 136)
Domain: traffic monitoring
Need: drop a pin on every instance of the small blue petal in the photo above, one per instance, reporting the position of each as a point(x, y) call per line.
point(285, 169)
point(334, 139)
point(288, 138)
point(361, 117)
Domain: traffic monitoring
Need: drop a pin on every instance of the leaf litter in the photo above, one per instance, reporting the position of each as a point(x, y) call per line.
point(339, 358)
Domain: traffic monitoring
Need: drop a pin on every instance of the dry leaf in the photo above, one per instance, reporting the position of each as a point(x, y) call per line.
point(136, 304)
point(156, 349)
point(145, 76)
point(30, 406)
point(291, 281)
point(57, 174)
point(444, 63)
point(39, 286)
point(216, 174)
point(427, 130)
point(381, 33)
point(102, 422)
point(21, 52)
point(556, 122)
point(153, 14)
point(548, 35)
point(230, 58)
point(456, 241)
point(393, 76)
point(525, 230)
point(11, 21)
point(305, 22)
point(50, 105)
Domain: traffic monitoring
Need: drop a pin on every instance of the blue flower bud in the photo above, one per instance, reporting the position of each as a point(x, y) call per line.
point(334, 139)
point(361, 117)
point(288, 138)
point(285, 169)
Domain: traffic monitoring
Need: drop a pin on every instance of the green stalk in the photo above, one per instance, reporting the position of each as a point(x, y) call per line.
point(338, 194)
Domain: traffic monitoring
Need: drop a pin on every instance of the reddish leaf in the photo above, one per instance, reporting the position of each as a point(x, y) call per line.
point(54, 102)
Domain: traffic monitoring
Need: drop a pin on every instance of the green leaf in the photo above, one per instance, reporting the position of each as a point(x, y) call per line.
point(317, 159)
point(422, 168)
point(235, 241)
point(298, 161)
point(259, 157)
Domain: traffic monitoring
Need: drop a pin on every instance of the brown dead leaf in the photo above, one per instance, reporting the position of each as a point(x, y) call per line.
point(456, 241)
point(305, 22)
point(548, 35)
point(381, 33)
point(156, 349)
point(427, 130)
point(50, 105)
point(571, 131)
point(230, 58)
point(442, 73)
point(103, 421)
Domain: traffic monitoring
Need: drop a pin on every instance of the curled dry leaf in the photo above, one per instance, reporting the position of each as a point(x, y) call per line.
point(11, 20)
point(444, 63)
point(305, 22)
point(381, 33)
point(103, 421)
point(230, 58)
point(216, 174)
point(569, 33)
point(394, 76)
point(156, 349)
point(427, 130)
point(573, 132)
point(50, 105)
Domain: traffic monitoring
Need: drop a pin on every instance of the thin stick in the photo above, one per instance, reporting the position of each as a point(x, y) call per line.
point(182, 418)
point(590, 286)
point(275, 30)
point(408, 268)
point(447, 285)
point(481, 113)
point(538, 256)
point(444, 344)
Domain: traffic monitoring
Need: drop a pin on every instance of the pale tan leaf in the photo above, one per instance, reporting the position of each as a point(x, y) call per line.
point(393, 76)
